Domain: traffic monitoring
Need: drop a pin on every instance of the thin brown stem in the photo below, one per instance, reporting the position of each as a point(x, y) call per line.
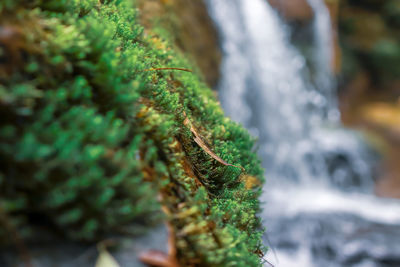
point(155, 69)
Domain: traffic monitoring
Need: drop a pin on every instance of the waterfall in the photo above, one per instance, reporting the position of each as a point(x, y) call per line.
point(323, 55)
point(263, 86)
point(319, 175)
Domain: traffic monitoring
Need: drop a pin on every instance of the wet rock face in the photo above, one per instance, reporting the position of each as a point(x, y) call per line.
point(192, 31)
point(293, 10)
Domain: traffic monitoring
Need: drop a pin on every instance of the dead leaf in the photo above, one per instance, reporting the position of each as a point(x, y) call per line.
point(105, 259)
point(204, 146)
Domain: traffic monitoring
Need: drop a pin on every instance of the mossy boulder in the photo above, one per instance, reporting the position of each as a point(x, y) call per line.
point(95, 138)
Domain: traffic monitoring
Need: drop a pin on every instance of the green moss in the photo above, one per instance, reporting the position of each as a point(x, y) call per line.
point(88, 138)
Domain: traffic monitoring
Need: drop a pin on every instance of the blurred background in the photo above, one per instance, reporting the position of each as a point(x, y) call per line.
point(317, 82)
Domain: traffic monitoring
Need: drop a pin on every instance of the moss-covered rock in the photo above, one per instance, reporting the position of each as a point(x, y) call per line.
point(94, 138)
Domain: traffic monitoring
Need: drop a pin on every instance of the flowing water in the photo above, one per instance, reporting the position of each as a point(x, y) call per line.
point(319, 209)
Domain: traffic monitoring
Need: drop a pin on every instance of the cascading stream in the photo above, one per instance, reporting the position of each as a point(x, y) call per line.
point(323, 57)
point(319, 180)
point(263, 86)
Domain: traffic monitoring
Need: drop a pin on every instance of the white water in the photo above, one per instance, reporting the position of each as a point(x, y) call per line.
point(295, 200)
point(323, 43)
point(313, 165)
point(263, 87)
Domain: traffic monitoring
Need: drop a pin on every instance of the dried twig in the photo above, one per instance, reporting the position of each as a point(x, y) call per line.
point(155, 69)
point(268, 262)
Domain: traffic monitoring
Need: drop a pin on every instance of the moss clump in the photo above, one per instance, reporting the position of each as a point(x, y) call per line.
point(88, 138)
